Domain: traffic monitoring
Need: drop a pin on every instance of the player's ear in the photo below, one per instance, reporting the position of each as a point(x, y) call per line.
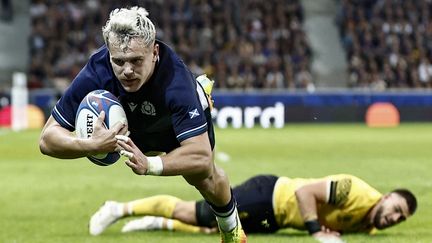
point(155, 52)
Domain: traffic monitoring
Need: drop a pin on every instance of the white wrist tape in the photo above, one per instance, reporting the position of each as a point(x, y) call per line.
point(155, 165)
point(126, 153)
point(122, 138)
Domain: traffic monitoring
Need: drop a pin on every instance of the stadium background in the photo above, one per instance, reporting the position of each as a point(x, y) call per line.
point(276, 64)
point(327, 61)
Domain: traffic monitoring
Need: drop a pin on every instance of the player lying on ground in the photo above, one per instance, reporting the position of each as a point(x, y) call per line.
point(326, 207)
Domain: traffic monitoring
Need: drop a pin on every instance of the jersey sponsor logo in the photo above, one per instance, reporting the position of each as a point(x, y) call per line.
point(148, 108)
point(132, 106)
point(250, 115)
point(194, 113)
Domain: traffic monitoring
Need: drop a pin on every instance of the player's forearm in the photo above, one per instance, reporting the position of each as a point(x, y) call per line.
point(308, 209)
point(62, 144)
point(307, 204)
point(308, 197)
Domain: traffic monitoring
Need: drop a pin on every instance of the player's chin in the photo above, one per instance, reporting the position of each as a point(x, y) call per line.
point(131, 85)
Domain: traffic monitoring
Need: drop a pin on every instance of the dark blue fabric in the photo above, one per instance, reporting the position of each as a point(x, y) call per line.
point(161, 118)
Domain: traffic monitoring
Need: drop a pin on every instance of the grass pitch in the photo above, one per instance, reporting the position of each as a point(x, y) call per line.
point(50, 200)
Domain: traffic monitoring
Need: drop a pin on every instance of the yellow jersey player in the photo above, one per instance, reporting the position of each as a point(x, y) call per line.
point(325, 207)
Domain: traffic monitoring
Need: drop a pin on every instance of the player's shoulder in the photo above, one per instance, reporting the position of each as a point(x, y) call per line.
point(100, 56)
point(340, 187)
point(100, 59)
point(173, 76)
point(171, 62)
point(348, 181)
point(338, 177)
point(165, 49)
point(354, 183)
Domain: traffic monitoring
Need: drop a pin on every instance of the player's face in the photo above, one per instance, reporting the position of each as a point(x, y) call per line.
point(392, 210)
point(134, 65)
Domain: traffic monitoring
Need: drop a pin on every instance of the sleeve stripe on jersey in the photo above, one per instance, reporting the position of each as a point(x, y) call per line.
point(57, 115)
point(190, 132)
point(333, 187)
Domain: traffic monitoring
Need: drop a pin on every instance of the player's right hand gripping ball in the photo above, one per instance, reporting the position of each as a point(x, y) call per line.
point(87, 114)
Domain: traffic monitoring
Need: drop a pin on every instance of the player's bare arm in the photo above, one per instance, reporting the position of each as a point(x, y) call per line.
point(192, 157)
point(308, 197)
point(58, 142)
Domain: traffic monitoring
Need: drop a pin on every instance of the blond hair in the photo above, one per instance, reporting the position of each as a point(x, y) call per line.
point(128, 23)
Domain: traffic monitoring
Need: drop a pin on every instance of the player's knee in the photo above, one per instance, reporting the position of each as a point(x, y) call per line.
point(207, 186)
point(209, 179)
point(201, 183)
point(213, 180)
point(205, 168)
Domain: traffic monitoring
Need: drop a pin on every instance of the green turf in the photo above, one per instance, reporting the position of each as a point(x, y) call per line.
point(49, 200)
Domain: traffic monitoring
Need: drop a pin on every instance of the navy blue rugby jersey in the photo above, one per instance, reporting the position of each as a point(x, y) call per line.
point(166, 110)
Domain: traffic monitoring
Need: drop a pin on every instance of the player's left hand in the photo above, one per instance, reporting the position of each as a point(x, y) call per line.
point(327, 235)
point(328, 238)
point(137, 160)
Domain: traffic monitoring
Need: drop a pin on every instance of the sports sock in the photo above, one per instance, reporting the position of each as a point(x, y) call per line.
point(226, 215)
point(161, 205)
point(159, 222)
point(117, 210)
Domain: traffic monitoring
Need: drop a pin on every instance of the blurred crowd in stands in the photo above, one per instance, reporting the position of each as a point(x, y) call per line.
point(6, 10)
point(241, 44)
point(388, 42)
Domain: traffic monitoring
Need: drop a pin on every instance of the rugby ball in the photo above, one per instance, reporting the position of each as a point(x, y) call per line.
point(87, 114)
